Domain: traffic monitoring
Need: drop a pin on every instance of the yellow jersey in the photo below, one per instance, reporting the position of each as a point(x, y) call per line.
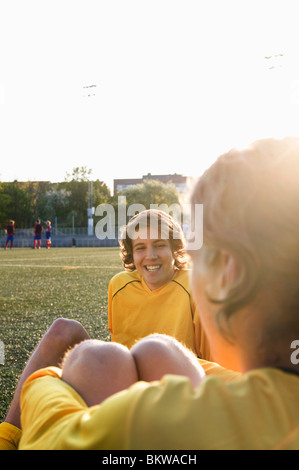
point(9, 436)
point(257, 410)
point(135, 311)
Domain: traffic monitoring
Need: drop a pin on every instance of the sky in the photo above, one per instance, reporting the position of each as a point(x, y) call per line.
point(130, 87)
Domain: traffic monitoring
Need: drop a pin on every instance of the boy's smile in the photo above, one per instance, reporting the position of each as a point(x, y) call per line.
point(153, 268)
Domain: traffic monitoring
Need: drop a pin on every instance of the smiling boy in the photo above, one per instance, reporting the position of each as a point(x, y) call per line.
point(152, 295)
point(153, 259)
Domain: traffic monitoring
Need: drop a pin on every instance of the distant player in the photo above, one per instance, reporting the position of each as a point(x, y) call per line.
point(48, 234)
point(38, 228)
point(10, 232)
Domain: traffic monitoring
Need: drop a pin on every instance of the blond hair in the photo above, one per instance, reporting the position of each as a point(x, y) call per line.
point(251, 203)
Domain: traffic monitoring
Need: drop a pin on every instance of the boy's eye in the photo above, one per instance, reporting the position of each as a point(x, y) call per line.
point(162, 243)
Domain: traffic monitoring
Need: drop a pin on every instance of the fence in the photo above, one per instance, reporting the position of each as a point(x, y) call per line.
point(61, 238)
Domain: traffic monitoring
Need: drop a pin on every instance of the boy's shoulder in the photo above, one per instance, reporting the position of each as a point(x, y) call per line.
point(122, 278)
point(182, 277)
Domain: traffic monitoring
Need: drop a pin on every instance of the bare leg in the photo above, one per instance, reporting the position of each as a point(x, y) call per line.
point(98, 369)
point(62, 335)
point(157, 355)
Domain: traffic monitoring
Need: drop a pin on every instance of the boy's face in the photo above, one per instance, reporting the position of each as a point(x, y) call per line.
point(153, 259)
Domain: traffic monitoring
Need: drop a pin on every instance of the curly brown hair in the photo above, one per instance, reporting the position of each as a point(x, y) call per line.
point(167, 228)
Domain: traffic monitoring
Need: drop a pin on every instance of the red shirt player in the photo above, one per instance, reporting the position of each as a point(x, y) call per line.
point(48, 234)
point(38, 228)
point(10, 232)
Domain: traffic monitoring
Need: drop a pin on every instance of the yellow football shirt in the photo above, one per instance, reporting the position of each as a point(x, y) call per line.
point(9, 436)
point(134, 311)
point(255, 411)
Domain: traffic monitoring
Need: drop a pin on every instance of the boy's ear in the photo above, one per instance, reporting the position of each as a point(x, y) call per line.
point(229, 273)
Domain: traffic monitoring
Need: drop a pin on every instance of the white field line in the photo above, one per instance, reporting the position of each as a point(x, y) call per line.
point(57, 266)
point(55, 258)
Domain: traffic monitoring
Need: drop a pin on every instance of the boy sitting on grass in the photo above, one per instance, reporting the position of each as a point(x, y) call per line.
point(153, 294)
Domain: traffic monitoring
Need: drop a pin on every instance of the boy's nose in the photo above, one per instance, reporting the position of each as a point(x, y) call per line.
point(151, 253)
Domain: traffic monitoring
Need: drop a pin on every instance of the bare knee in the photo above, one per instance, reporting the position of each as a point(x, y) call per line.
point(155, 348)
point(98, 369)
point(62, 335)
point(157, 355)
point(65, 329)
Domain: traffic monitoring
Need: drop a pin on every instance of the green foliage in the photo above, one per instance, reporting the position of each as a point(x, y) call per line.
point(53, 203)
point(25, 202)
point(15, 204)
point(80, 173)
point(151, 192)
point(77, 187)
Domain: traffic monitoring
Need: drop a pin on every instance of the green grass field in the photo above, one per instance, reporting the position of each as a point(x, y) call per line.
point(38, 286)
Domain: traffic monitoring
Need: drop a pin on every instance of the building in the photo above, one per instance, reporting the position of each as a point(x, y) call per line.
point(181, 182)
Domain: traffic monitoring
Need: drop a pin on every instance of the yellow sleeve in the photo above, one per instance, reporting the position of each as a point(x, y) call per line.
point(110, 307)
point(116, 282)
point(202, 346)
point(9, 436)
point(54, 416)
point(212, 368)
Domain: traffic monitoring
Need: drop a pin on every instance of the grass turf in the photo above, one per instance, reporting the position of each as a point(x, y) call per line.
point(38, 286)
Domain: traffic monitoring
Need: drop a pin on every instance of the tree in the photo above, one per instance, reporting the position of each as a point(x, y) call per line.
point(5, 201)
point(80, 173)
point(76, 184)
point(101, 193)
point(54, 203)
point(15, 204)
point(36, 192)
point(153, 193)
point(24, 202)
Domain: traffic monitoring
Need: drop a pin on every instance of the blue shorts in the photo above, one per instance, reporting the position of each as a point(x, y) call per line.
point(48, 235)
point(10, 238)
point(37, 237)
